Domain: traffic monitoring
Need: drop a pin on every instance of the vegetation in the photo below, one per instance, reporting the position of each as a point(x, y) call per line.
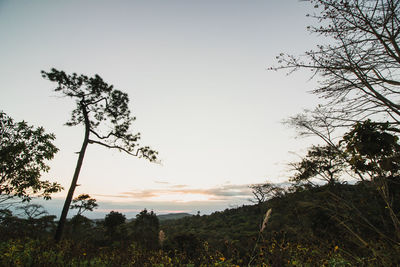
point(313, 219)
point(358, 77)
point(83, 203)
point(357, 66)
point(343, 205)
point(308, 225)
point(24, 152)
point(173, 216)
point(105, 114)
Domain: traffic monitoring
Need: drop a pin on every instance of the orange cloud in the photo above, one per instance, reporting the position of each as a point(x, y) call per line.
point(180, 193)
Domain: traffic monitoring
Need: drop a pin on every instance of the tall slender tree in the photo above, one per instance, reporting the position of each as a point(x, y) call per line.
point(105, 114)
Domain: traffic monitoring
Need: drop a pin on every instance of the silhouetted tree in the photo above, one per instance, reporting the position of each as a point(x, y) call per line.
point(315, 122)
point(112, 221)
point(105, 114)
point(24, 151)
point(375, 153)
point(324, 163)
point(4, 213)
point(80, 225)
point(84, 202)
point(33, 221)
point(359, 64)
point(263, 192)
point(358, 80)
point(370, 153)
point(80, 228)
point(146, 229)
point(373, 150)
point(32, 211)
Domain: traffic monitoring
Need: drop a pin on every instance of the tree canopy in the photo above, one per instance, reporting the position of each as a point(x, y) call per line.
point(358, 73)
point(24, 152)
point(105, 114)
point(113, 219)
point(102, 109)
point(146, 229)
point(84, 202)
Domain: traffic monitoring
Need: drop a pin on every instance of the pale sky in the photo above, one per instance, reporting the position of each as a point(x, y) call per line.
point(196, 74)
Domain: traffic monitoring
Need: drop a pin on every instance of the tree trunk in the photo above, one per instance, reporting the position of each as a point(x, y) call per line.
point(67, 203)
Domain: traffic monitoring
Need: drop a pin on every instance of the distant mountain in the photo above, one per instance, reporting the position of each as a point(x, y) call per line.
point(173, 216)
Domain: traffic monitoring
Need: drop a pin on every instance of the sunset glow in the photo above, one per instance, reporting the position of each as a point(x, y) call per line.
point(196, 76)
point(181, 197)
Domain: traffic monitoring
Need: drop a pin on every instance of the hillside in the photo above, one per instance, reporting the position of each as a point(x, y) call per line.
point(173, 216)
point(337, 224)
point(329, 217)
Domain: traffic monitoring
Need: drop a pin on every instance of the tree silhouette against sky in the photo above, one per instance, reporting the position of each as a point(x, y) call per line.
point(24, 152)
point(105, 114)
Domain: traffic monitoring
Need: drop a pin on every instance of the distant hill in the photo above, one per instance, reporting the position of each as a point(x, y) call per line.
point(173, 216)
point(239, 224)
point(308, 216)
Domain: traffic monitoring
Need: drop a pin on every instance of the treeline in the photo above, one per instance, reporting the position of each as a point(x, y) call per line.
point(342, 207)
point(112, 230)
point(28, 241)
point(343, 223)
point(334, 224)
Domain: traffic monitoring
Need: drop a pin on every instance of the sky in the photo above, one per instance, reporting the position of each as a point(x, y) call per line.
point(197, 76)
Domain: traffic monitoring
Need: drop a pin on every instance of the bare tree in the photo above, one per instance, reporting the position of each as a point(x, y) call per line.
point(359, 68)
point(263, 192)
point(32, 211)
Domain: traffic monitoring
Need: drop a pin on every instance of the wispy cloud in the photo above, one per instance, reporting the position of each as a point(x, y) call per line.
point(171, 199)
point(183, 193)
point(179, 186)
point(161, 182)
point(144, 194)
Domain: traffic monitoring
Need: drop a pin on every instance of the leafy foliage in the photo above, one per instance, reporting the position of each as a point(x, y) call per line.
point(306, 227)
point(312, 224)
point(372, 149)
point(146, 229)
point(105, 114)
point(374, 152)
point(113, 220)
point(24, 151)
point(101, 108)
point(317, 219)
point(84, 202)
point(324, 163)
point(358, 80)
